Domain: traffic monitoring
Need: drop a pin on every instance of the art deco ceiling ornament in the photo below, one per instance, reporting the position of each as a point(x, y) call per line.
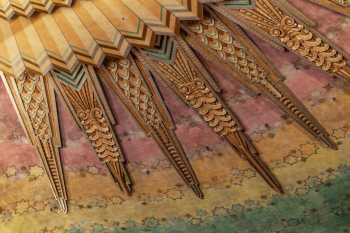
point(70, 47)
point(341, 6)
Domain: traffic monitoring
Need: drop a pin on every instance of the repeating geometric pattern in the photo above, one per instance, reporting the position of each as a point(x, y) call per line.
point(85, 32)
point(68, 47)
point(35, 102)
point(189, 80)
point(230, 45)
point(273, 21)
point(75, 79)
point(133, 86)
point(87, 108)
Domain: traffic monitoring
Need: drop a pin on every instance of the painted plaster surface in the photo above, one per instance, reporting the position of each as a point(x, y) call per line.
point(316, 179)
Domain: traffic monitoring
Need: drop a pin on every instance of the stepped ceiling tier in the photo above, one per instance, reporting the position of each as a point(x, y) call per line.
point(85, 31)
point(51, 48)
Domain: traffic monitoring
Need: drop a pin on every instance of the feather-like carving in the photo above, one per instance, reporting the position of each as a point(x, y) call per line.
point(124, 77)
point(35, 103)
point(275, 22)
point(187, 80)
point(87, 108)
point(231, 46)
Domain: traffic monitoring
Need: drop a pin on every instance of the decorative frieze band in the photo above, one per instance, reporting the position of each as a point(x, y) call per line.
point(188, 78)
point(34, 100)
point(88, 109)
point(135, 89)
point(229, 44)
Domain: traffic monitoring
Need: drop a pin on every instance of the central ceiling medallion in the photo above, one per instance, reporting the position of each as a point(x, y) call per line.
point(79, 48)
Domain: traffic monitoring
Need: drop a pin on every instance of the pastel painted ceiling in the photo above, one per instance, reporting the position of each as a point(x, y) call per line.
point(315, 178)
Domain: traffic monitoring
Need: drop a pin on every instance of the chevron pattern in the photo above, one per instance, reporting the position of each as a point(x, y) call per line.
point(75, 80)
point(239, 3)
point(164, 50)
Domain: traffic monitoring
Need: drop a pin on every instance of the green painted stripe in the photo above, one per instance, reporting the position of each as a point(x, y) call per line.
point(166, 52)
point(75, 80)
point(239, 3)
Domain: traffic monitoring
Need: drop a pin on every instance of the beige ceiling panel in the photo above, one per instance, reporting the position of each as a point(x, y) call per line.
point(6, 11)
point(183, 9)
point(29, 44)
point(111, 41)
point(158, 18)
point(125, 21)
point(58, 49)
point(79, 38)
point(10, 57)
point(22, 7)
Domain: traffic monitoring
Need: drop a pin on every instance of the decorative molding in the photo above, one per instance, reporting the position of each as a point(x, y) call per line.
point(157, 17)
point(340, 6)
point(188, 78)
point(45, 50)
point(87, 106)
point(185, 9)
point(64, 38)
point(141, 98)
point(280, 23)
point(34, 100)
point(164, 49)
point(229, 44)
point(75, 79)
point(10, 8)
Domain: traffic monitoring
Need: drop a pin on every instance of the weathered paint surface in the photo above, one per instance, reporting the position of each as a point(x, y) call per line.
point(315, 178)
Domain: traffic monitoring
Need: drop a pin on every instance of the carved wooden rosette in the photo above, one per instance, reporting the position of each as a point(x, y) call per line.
point(34, 100)
point(89, 110)
point(141, 98)
point(229, 44)
point(188, 78)
point(279, 22)
point(341, 6)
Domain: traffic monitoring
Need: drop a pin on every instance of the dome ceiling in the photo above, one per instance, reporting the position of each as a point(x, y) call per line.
point(78, 49)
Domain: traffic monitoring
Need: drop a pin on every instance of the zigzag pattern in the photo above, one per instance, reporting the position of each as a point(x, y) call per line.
point(163, 50)
point(75, 80)
point(239, 3)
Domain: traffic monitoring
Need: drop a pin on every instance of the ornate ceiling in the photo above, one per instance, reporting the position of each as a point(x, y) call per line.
point(341, 6)
point(78, 49)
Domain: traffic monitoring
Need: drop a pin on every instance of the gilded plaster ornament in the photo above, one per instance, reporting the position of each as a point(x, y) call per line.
point(340, 6)
point(76, 50)
point(188, 79)
point(34, 100)
point(228, 43)
point(88, 107)
point(135, 89)
point(284, 25)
